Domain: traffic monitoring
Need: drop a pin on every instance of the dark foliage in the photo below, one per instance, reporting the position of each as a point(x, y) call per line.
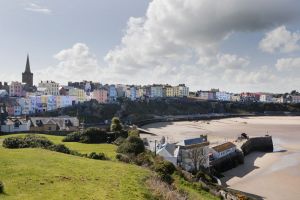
point(60, 148)
point(132, 145)
point(164, 167)
point(94, 136)
point(119, 141)
point(99, 156)
point(34, 141)
point(72, 137)
point(123, 158)
point(144, 159)
point(1, 187)
point(29, 141)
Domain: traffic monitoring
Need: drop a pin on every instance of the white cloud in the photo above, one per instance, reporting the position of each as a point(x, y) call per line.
point(76, 63)
point(178, 40)
point(33, 7)
point(280, 39)
point(287, 64)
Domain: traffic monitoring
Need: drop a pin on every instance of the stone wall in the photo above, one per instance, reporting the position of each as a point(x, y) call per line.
point(264, 144)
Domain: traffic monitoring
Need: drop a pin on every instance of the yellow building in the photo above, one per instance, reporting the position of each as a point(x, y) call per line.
point(169, 91)
point(78, 93)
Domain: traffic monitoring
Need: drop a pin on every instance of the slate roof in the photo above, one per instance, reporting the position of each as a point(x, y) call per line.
point(192, 141)
point(61, 122)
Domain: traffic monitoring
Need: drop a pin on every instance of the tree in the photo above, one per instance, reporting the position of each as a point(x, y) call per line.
point(198, 157)
point(115, 125)
point(132, 145)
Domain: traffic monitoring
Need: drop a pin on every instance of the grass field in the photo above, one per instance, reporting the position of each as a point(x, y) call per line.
point(38, 174)
point(108, 149)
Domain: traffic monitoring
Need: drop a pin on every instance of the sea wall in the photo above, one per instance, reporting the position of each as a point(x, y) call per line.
point(177, 118)
point(264, 144)
point(228, 162)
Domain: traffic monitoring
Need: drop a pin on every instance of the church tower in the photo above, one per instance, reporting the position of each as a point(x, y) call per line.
point(27, 76)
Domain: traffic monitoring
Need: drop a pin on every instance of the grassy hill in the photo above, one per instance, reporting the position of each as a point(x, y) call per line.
point(34, 174)
point(42, 174)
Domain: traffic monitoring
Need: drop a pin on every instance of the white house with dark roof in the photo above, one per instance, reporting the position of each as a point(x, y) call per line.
point(12, 125)
point(190, 150)
point(168, 152)
point(223, 150)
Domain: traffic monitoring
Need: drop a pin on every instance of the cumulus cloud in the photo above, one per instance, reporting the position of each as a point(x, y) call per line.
point(179, 40)
point(287, 64)
point(76, 63)
point(281, 40)
point(33, 7)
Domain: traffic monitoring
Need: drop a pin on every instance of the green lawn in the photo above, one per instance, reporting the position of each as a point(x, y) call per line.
point(108, 149)
point(42, 174)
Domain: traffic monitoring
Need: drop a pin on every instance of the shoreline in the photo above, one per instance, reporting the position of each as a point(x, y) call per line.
point(268, 175)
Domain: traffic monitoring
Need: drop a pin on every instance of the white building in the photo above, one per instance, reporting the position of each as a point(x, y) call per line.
point(223, 150)
point(49, 88)
point(15, 125)
point(156, 91)
point(295, 99)
point(267, 98)
point(223, 96)
point(183, 91)
point(168, 152)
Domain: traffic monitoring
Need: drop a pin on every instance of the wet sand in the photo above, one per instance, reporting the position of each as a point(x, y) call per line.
point(271, 175)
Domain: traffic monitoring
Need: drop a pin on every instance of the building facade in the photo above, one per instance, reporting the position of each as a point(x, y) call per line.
point(15, 89)
point(49, 87)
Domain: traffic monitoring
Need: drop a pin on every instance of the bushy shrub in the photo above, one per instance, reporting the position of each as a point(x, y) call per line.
point(29, 141)
point(115, 125)
point(72, 137)
point(144, 159)
point(93, 135)
point(119, 141)
point(132, 145)
point(164, 167)
point(60, 148)
point(123, 158)
point(13, 142)
point(100, 156)
point(166, 178)
point(1, 187)
point(134, 132)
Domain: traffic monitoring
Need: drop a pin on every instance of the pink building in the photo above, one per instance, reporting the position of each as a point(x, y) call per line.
point(16, 89)
point(100, 95)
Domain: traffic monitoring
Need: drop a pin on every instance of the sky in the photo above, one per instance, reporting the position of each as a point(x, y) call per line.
point(233, 45)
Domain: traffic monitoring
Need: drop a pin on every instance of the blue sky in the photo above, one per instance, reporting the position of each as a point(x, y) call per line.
point(249, 45)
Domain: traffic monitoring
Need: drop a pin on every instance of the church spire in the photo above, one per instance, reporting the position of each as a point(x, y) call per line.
point(27, 69)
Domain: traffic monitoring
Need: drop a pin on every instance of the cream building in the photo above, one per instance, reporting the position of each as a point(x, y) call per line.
point(78, 93)
point(51, 88)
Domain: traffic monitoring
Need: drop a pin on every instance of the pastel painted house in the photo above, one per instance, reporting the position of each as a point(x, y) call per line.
point(100, 95)
point(16, 89)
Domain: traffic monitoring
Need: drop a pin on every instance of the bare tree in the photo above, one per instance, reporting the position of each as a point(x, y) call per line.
point(198, 157)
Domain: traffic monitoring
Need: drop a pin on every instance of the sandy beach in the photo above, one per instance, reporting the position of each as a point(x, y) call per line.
point(274, 175)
